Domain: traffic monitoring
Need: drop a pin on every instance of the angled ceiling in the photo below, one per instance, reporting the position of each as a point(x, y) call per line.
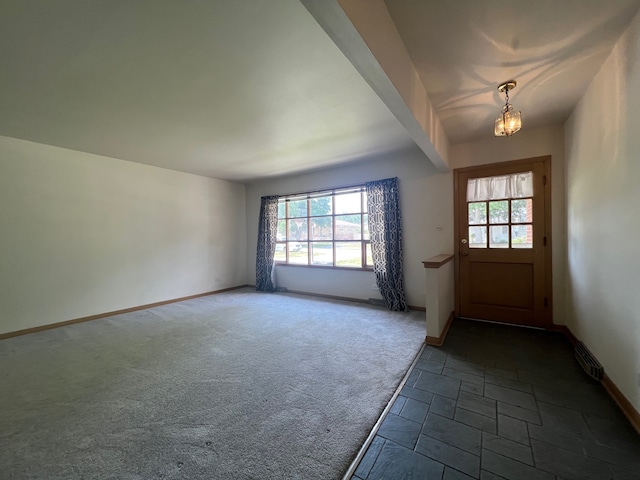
point(242, 90)
point(463, 49)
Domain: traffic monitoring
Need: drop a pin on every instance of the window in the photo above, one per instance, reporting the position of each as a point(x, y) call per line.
point(328, 228)
point(500, 211)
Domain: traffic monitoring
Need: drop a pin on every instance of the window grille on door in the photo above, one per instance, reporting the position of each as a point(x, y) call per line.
point(500, 211)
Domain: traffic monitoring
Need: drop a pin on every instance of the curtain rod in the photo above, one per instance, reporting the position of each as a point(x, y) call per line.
point(309, 192)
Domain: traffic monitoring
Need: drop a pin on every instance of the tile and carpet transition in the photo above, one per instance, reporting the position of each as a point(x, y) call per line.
point(502, 402)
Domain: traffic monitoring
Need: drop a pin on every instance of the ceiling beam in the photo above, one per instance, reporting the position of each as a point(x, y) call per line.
point(366, 34)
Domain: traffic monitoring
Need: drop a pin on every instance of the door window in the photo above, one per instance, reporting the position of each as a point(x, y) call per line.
point(500, 211)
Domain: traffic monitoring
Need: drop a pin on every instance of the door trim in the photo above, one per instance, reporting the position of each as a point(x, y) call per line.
point(548, 272)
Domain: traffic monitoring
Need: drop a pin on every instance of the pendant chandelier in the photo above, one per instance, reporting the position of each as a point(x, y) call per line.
point(509, 122)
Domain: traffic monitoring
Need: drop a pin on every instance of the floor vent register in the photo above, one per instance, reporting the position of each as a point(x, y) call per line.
point(588, 362)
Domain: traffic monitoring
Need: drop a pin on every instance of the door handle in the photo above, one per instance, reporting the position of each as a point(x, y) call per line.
point(464, 254)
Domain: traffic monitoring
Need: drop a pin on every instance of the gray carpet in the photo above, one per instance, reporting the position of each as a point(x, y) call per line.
point(239, 385)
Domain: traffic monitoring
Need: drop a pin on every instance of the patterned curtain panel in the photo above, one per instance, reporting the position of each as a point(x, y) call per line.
point(383, 204)
point(267, 233)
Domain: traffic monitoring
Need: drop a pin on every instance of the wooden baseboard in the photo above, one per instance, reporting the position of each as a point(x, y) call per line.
point(322, 295)
point(614, 392)
point(625, 405)
point(347, 299)
point(50, 326)
point(439, 341)
point(418, 309)
point(567, 333)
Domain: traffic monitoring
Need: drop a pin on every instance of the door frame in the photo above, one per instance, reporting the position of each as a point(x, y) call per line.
point(548, 252)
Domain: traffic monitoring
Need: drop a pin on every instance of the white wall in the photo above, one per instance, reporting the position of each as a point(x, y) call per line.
point(440, 299)
point(603, 198)
point(528, 144)
point(426, 201)
point(84, 234)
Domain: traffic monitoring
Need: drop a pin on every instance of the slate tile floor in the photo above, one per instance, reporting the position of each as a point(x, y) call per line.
point(502, 402)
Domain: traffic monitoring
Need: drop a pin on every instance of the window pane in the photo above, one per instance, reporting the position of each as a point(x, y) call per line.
point(365, 223)
point(477, 237)
point(364, 202)
point(298, 253)
point(320, 206)
point(348, 227)
point(282, 230)
point(297, 229)
point(369, 255)
point(349, 254)
point(322, 253)
point(348, 203)
point(322, 228)
point(522, 210)
point(281, 253)
point(477, 213)
point(311, 227)
point(298, 208)
point(522, 236)
point(499, 236)
point(499, 212)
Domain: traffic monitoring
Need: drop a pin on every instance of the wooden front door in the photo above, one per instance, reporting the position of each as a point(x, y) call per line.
point(503, 242)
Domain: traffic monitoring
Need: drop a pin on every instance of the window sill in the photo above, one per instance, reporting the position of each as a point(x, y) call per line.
point(326, 267)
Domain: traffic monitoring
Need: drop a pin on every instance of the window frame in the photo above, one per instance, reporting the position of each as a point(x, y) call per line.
point(284, 242)
point(509, 223)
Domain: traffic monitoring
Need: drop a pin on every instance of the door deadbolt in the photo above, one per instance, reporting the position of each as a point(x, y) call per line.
point(463, 241)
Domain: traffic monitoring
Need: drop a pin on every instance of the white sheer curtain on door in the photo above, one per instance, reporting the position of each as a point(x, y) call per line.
point(517, 185)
